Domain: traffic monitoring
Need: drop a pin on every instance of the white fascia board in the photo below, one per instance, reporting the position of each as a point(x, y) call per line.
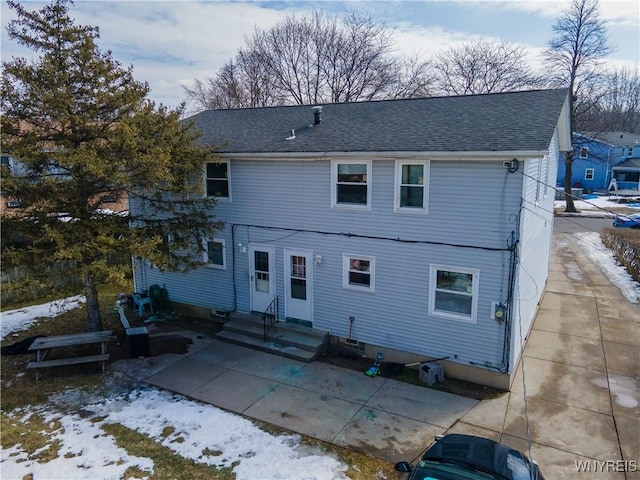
point(449, 156)
point(564, 128)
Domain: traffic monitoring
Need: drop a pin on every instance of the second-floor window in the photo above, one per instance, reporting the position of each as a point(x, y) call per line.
point(584, 152)
point(217, 180)
point(411, 186)
point(351, 184)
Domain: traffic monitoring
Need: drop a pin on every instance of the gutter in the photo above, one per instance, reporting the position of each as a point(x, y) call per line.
point(391, 155)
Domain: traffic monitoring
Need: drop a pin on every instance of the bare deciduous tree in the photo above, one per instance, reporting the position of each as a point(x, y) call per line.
point(483, 67)
point(574, 56)
point(242, 82)
point(315, 59)
point(619, 106)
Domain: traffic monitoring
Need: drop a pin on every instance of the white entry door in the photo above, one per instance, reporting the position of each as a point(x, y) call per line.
point(262, 276)
point(298, 284)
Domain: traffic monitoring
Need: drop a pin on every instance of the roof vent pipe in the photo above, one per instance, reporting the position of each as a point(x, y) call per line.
point(317, 115)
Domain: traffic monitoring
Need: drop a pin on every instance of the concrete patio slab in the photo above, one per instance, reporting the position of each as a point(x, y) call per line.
point(624, 391)
point(422, 404)
point(349, 385)
point(629, 437)
point(617, 330)
point(568, 349)
point(582, 321)
point(224, 354)
point(555, 381)
point(562, 286)
point(615, 306)
point(622, 359)
point(387, 435)
point(581, 432)
point(184, 376)
point(234, 391)
point(305, 412)
point(272, 367)
point(488, 414)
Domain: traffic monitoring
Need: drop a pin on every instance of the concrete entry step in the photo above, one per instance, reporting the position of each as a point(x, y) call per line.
point(286, 339)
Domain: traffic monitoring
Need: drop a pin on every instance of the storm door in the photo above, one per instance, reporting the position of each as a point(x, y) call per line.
point(298, 284)
point(262, 276)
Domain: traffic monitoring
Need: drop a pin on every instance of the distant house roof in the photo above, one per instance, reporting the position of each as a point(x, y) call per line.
point(615, 139)
point(631, 165)
point(504, 122)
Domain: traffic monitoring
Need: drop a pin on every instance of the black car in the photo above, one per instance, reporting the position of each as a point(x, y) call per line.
point(465, 457)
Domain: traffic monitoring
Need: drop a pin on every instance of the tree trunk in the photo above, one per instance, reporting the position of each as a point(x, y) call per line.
point(568, 163)
point(93, 306)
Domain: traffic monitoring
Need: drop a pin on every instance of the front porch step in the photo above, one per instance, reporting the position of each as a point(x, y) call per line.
point(287, 339)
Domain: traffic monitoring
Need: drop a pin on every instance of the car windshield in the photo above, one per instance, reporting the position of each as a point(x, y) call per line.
point(449, 470)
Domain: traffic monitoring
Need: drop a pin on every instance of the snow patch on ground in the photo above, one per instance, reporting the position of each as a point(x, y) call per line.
point(13, 321)
point(603, 257)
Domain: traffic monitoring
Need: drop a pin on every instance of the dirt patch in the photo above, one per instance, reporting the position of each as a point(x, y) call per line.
point(410, 375)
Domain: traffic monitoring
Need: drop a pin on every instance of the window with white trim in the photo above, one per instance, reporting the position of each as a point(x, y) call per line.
point(584, 152)
point(351, 184)
point(217, 181)
point(411, 186)
point(215, 253)
point(453, 293)
point(589, 173)
point(358, 272)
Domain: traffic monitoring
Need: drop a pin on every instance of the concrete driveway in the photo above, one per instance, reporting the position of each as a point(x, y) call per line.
point(581, 370)
point(580, 373)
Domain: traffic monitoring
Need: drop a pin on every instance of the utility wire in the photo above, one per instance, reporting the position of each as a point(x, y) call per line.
point(598, 207)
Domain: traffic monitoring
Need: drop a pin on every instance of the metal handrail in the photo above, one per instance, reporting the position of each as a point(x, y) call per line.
point(269, 317)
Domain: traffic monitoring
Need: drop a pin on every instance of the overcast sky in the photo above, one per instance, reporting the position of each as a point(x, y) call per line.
point(171, 43)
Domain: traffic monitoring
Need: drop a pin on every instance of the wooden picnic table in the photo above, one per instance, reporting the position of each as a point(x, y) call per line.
point(42, 345)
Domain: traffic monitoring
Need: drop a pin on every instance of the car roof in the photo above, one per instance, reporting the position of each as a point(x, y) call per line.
point(483, 453)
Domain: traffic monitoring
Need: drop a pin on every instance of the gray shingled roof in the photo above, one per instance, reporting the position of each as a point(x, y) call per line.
point(617, 139)
point(632, 165)
point(517, 121)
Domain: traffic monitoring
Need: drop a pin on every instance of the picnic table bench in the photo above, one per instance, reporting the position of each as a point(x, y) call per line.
point(41, 346)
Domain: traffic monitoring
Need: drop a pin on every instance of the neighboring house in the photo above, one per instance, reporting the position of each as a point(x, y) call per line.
point(599, 158)
point(428, 221)
point(10, 205)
